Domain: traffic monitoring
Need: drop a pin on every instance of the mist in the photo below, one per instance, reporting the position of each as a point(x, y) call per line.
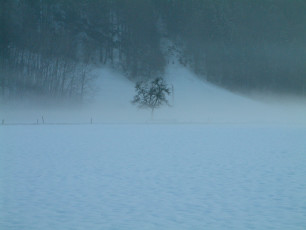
point(193, 100)
point(152, 114)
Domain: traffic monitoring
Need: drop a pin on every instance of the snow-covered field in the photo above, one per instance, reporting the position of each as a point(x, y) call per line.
point(213, 160)
point(152, 176)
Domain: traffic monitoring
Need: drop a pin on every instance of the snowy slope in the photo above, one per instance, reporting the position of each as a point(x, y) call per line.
point(194, 100)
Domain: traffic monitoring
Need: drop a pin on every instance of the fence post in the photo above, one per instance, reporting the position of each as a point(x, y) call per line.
point(2, 121)
point(43, 120)
point(172, 95)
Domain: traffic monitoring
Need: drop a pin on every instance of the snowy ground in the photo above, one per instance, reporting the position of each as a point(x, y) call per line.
point(147, 176)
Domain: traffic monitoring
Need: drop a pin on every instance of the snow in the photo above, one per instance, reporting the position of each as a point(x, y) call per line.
point(196, 100)
point(213, 160)
point(153, 176)
point(193, 101)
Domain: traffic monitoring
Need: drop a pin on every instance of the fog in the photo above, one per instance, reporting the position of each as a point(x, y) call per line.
point(227, 150)
point(193, 101)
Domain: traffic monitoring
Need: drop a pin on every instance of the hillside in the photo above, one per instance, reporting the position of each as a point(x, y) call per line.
point(194, 100)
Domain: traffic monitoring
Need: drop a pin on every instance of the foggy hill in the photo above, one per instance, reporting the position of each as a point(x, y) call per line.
point(193, 101)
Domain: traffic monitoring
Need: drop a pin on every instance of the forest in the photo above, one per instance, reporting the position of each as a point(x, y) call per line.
point(48, 47)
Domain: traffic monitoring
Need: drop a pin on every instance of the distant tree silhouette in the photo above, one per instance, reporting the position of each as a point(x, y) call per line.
point(151, 95)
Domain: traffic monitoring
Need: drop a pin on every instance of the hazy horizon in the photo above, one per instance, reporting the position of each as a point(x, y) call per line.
point(193, 100)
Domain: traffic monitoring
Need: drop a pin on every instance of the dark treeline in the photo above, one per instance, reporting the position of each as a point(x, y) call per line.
point(242, 44)
point(48, 46)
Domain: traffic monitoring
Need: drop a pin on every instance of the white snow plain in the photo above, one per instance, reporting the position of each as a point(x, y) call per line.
point(153, 176)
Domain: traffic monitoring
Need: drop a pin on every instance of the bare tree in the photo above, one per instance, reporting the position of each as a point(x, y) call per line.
point(151, 95)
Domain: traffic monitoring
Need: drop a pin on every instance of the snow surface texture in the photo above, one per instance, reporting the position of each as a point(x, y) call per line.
point(193, 101)
point(152, 177)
